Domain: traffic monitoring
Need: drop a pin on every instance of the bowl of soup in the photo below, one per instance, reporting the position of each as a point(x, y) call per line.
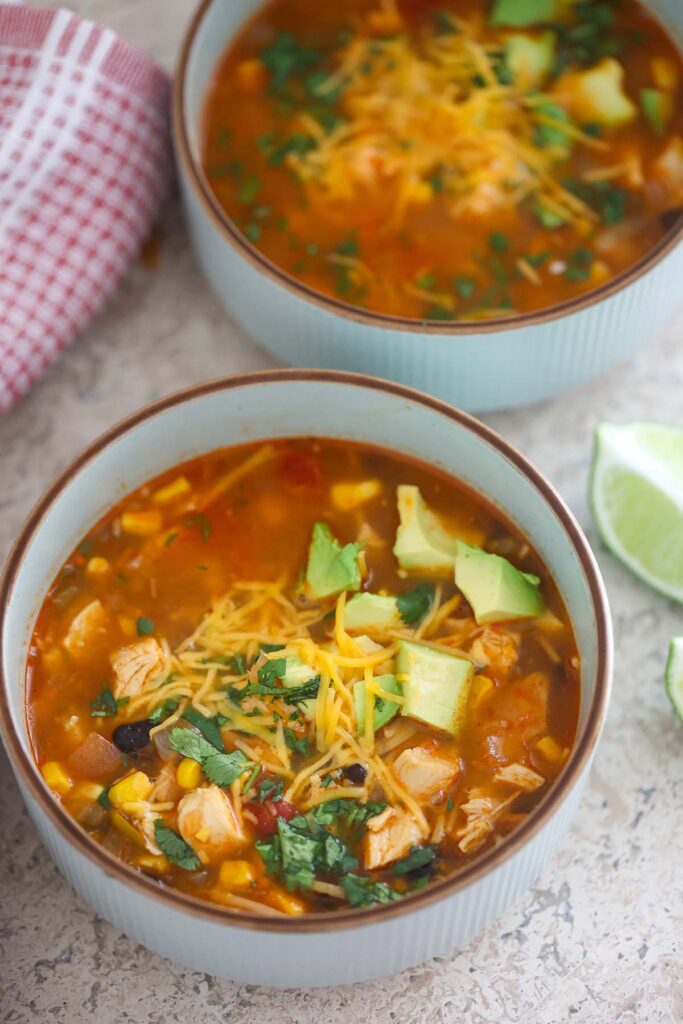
point(302, 676)
point(481, 199)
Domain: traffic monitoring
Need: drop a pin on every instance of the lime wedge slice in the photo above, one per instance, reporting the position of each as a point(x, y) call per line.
point(636, 493)
point(673, 677)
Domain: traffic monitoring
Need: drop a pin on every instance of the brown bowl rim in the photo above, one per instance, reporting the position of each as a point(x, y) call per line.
point(193, 174)
point(27, 769)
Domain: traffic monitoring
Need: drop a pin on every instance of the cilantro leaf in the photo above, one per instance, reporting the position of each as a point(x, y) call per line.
point(223, 769)
point(272, 670)
point(346, 814)
point(174, 846)
point(191, 744)
point(285, 57)
point(105, 704)
point(298, 745)
point(208, 727)
point(413, 605)
point(298, 850)
point(163, 710)
point(363, 892)
point(301, 850)
point(202, 523)
point(270, 789)
point(144, 626)
point(419, 858)
point(238, 665)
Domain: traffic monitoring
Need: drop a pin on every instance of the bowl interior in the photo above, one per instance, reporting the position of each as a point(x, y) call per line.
point(305, 403)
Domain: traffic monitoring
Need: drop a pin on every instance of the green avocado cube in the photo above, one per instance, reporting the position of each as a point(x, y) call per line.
point(384, 709)
point(331, 567)
point(368, 613)
point(435, 686)
point(495, 589)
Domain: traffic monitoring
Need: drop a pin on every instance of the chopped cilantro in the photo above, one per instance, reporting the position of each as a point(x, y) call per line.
point(363, 892)
point(249, 189)
point(202, 523)
point(301, 849)
point(419, 858)
point(272, 670)
point(270, 648)
point(270, 789)
point(169, 540)
point(218, 767)
point(103, 799)
point(413, 605)
point(85, 547)
point(498, 242)
point(144, 626)
point(105, 704)
point(162, 711)
point(348, 815)
point(237, 664)
point(174, 846)
point(298, 744)
point(464, 286)
point(285, 57)
point(426, 281)
point(208, 727)
point(349, 247)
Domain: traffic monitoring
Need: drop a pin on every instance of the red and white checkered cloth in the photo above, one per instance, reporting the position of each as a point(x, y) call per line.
point(85, 163)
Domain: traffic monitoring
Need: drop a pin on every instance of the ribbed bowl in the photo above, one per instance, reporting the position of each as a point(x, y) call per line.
point(477, 367)
point(350, 945)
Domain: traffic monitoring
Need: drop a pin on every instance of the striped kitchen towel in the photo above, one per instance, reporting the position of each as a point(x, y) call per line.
point(85, 163)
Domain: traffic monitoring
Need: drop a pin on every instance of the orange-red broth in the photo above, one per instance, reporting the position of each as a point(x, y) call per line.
point(259, 529)
point(445, 253)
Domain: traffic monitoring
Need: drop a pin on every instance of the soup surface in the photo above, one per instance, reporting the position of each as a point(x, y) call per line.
point(443, 160)
point(258, 681)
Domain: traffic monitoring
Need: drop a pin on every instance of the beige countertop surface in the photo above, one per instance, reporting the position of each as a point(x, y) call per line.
point(597, 939)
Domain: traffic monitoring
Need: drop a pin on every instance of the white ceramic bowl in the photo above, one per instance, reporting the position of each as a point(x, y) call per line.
point(478, 367)
point(351, 945)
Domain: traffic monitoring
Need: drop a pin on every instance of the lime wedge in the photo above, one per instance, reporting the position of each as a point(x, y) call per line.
point(673, 677)
point(636, 493)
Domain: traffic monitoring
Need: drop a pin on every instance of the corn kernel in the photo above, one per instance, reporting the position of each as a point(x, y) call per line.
point(155, 863)
point(252, 76)
point(284, 901)
point(665, 72)
point(350, 494)
point(482, 687)
point(549, 749)
point(127, 625)
point(127, 829)
point(130, 789)
point(171, 492)
point(203, 834)
point(188, 773)
point(90, 791)
point(237, 874)
point(97, 567)
point(142, 524)
point(56, 777)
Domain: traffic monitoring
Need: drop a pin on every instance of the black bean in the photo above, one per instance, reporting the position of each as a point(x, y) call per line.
point(355, 773)
point(132, 735)
point(670, 218)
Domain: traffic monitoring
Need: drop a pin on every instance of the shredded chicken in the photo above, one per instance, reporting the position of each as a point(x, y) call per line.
point(520, 776)
point(390, 836)
point(497, 649)
point(134, 665)
point(166, 786)
point(425, 773)
point(481, 810)
point(208, 822)
point(90, 621)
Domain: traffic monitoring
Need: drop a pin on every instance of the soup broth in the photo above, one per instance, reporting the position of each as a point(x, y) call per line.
point(449, 161)
point(258, 681)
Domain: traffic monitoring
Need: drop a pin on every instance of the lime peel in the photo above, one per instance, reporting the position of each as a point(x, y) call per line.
point(673, 676)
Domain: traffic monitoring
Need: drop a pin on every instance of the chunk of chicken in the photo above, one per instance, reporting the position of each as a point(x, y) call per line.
point(520, 776)
point(497, 649)
point(390, 836)
point(208, 822)
point(425, 773)
point(166, 786)
point(134, 665)
point(84, 628)
point(482, 810)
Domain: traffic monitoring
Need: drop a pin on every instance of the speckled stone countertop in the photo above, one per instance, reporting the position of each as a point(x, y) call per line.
point(598, 938)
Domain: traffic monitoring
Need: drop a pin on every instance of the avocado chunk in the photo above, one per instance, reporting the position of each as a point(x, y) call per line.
point(522, 13)
point(422, 543)
point(331, 567)
point(530, 58)
point(657, 107)
point(496, 590)
point(384, 709)
point(598, 95)
point(297, 672)
point(371, 612)
point(435, 686)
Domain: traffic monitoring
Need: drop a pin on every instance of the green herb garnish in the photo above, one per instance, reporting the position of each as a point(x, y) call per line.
point(144, 626)
point(105, 704)
point(419, 857)
point(174, 846)
point(413, 605)
point(202, 523)
point(208, 727)
point(249, 189)
point(220, 768)
point(363, 892)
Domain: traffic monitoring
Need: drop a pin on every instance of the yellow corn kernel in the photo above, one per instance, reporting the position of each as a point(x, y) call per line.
point(237, 874)
point(188, 773)
point(97, 567)
point(171, 492)
point(203, 834)
point(422, 192)
point(56, 777)
point(90, 791)
point(482, 687)
point(142, 524)
point(665, 72)
point(350, 494)
point(252, 76)
point(130, 789)
point(127, 625)
point(549, 749)
point(284, 901)
point(155, 863)
point(127, 829)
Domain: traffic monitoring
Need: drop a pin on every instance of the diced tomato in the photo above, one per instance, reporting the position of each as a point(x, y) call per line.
point(267, 814)
point(300, 470)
